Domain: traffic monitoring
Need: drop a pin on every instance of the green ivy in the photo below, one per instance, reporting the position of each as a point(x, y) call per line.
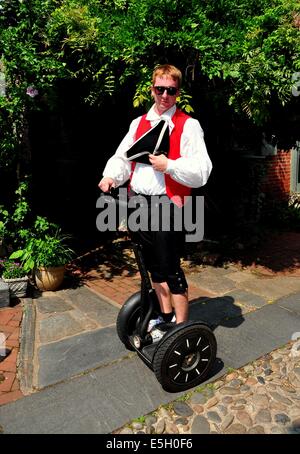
point(250, 49)
point(14, 223)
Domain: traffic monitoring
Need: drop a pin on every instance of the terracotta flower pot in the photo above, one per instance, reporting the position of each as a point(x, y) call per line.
point(49, 278)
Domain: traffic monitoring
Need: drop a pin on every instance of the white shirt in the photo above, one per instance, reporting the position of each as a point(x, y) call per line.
point(192, 169)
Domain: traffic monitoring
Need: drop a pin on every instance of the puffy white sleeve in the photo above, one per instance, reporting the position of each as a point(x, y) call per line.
point(193, 167)
point(117, 167)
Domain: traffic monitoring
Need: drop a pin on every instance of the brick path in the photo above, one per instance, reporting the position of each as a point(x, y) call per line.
point(10, 321)
point(119, 288)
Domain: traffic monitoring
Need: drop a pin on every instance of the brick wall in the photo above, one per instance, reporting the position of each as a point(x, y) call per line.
point(278, 174)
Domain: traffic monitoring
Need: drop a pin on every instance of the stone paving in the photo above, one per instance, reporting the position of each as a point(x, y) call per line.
point(260, 398)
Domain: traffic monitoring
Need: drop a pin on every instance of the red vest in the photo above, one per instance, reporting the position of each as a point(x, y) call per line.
point(175, 190)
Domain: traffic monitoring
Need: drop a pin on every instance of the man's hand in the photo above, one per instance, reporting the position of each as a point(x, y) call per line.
point(106, 184)
point(159, 162)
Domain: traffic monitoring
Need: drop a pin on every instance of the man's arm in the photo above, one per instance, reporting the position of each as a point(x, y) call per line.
point(193, 168)
point(106, 184)
point(159, 163)
point(118, 168)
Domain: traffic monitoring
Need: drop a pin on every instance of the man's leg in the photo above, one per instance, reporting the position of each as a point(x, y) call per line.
point(162, 249)
point(165, 298)
point(167, 276)
point(181, 306)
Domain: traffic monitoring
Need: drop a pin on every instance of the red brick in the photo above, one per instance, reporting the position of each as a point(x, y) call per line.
point(120, 299)
point(5, 316)
point(124, 296)
point(14, 323)
point(98, 283)
point(7, 329)
point(15, 335)
point(131, 290)
point(95, 283)
point(110, 292)
point(12, 357)
point(6, 398)
point(109, 284)
point(6, 333)
point(15, 385)
point(12, 343)
point(8, 382)
point(8, 366)
point(18, 317)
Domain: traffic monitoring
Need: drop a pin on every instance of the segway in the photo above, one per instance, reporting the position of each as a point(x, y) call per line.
point(185, 354)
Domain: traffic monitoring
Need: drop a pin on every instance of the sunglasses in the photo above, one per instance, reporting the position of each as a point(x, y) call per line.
point(170, 90)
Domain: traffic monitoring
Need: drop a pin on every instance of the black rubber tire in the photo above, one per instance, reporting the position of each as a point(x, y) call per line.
point(127, 319)
point(170, 362)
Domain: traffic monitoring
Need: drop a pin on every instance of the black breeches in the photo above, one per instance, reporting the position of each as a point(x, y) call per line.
point(162, 247)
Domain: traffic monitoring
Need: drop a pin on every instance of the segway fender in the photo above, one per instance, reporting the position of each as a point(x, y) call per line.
point(180, 326)
point(127, 319)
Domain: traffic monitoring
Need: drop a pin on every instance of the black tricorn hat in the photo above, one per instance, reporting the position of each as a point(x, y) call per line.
point(155, 141)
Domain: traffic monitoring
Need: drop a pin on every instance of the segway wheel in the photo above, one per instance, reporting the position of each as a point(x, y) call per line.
point(128, 318)
point(185, 358)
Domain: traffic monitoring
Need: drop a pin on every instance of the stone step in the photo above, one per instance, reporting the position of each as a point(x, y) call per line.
point(4, 294)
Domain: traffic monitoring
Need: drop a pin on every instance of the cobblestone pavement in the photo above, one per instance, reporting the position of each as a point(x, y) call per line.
point(260, 398)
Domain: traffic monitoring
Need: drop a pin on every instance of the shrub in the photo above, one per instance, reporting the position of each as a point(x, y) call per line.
point(46, 246)
point(11, 269)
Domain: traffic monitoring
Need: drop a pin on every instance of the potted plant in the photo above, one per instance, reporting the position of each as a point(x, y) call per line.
point(46, 254)
point(14, 274)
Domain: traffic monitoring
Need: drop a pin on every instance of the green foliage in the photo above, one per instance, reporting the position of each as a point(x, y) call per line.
point(26, 62)
point(13, 226)
point(283, 214)
point(184, 102)
point(22, 206)
point(3, 224)
point(140, 419)
point(12, 270)
point(249, 50)
point(40, 244)
point(45, 247)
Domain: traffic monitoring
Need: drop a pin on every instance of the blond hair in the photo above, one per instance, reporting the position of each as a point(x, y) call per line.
point(167, 71)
